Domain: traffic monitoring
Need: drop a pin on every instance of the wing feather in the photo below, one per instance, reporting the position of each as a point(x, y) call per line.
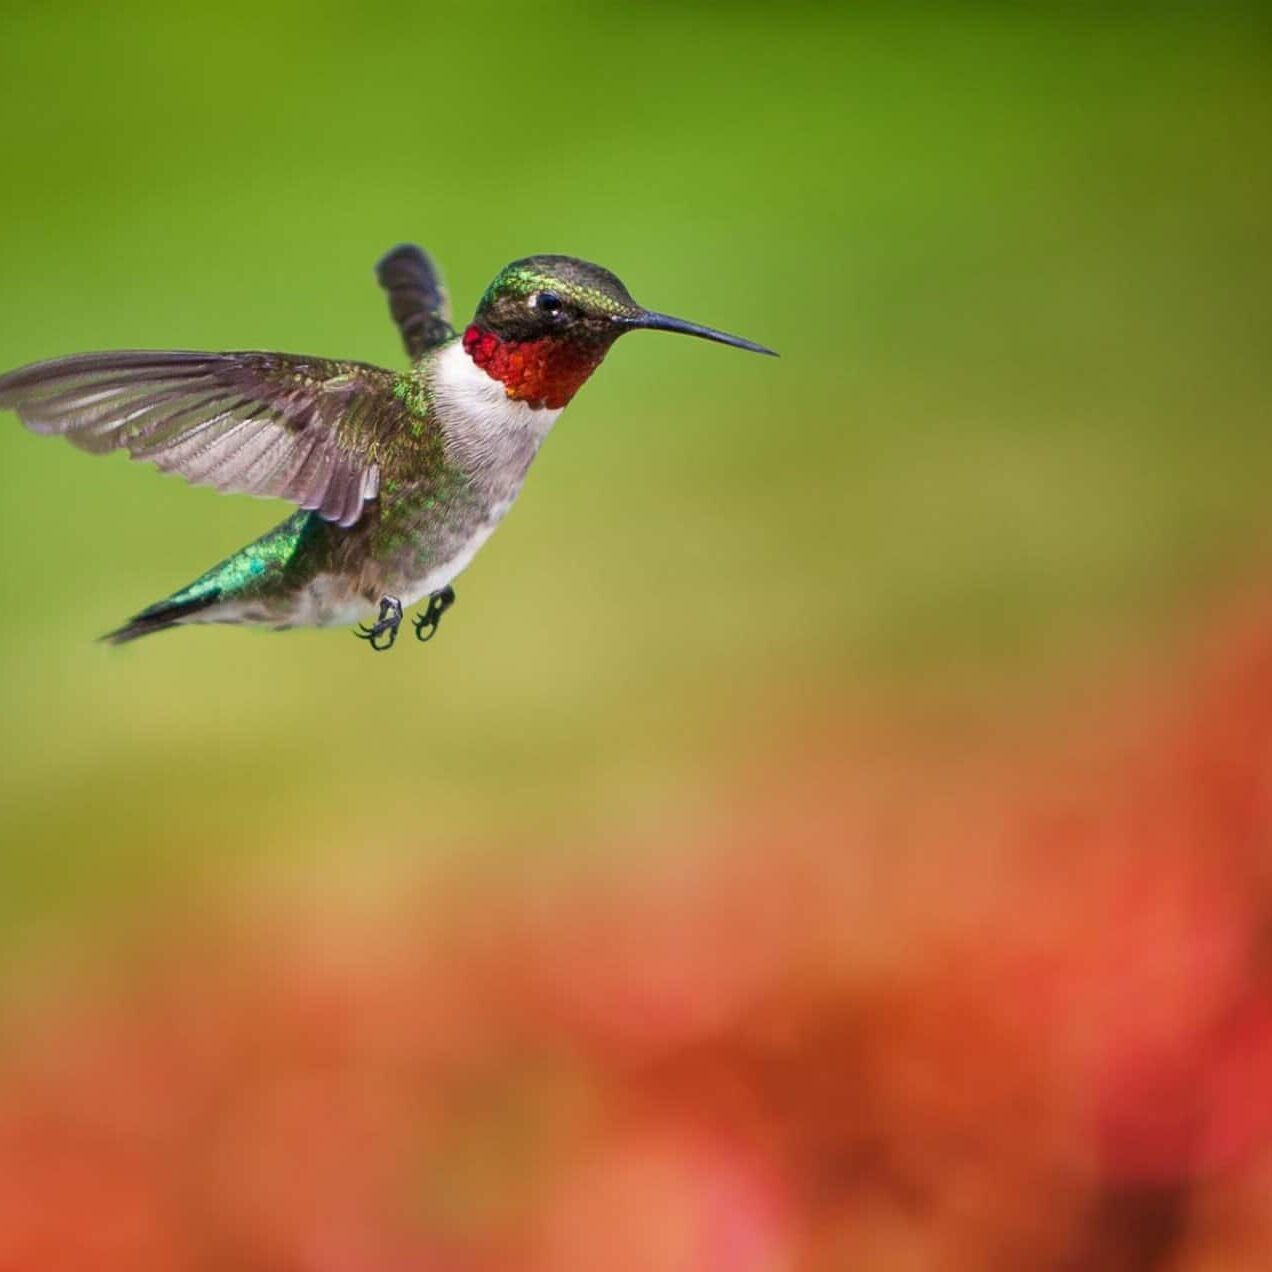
point(249, 423)
point(417, 299)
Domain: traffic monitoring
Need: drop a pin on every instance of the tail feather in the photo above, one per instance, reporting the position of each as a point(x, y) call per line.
point(259, 569)
point(160, 616)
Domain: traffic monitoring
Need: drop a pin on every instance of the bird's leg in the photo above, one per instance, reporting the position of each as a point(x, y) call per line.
point(386, 625)
point(426, 623)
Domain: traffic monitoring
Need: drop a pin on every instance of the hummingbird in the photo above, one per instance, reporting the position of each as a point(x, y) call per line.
point(399, 477)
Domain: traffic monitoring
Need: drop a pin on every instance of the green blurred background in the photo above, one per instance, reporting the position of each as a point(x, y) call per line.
point(1015, 259)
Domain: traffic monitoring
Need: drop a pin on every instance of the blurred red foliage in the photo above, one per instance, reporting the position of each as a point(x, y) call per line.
point(949, 999)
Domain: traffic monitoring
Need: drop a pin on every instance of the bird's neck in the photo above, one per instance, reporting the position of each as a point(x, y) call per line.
point(544, 374)
point(492, 435)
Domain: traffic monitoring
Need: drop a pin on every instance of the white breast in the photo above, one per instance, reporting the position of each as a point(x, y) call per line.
point(481, 421)
point(492, 436)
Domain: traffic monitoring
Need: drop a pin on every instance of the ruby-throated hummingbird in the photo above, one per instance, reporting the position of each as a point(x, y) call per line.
point(399, 477)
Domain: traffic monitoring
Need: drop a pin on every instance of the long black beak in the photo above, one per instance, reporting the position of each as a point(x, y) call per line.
point(647, 320)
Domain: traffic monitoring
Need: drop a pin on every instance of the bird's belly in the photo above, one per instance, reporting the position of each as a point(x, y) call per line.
point(412, 587)
point(334, 600)
point(327, 600)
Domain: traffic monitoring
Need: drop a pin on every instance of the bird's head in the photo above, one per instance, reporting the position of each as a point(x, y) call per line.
point(546, 323)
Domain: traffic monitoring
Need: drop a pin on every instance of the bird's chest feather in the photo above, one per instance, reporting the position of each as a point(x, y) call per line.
point(492, 437)
point(428, 528)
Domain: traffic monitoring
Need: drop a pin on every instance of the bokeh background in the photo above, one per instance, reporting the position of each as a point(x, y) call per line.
point(832, 828)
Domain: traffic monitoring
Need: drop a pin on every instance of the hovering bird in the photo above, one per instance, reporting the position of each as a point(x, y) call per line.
point(399, 476)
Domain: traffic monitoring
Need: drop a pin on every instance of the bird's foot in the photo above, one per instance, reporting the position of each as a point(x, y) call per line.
point(426, 623)
point(383, 632)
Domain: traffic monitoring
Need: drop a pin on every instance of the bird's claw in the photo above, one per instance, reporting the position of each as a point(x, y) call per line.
point(426, 623)
point(385, 626)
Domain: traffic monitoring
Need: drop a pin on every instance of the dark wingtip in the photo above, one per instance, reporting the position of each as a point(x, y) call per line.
point(417, 298)
point(403, 253)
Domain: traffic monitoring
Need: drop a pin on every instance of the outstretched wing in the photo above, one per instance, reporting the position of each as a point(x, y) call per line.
point(297, 428)
point(417, 299)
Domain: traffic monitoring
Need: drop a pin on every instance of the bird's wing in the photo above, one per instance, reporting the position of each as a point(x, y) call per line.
point(417, 298)
point(297, 428)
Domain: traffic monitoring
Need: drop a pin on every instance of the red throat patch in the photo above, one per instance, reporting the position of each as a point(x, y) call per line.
point(540, 373)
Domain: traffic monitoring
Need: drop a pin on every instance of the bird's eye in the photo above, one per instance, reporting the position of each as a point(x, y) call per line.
point(547, 302)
